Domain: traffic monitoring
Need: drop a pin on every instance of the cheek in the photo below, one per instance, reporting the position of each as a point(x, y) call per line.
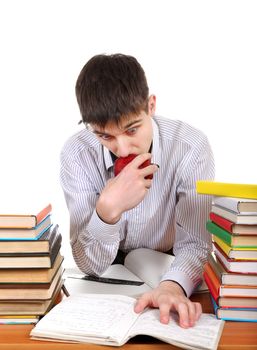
point(146, 139)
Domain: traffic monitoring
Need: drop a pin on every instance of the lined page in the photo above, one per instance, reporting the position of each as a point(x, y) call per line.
point(88, 317)
point(204, 335)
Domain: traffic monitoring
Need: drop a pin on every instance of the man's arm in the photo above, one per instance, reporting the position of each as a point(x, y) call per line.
point(191, 247)
point(94, 243)
point(95, 217)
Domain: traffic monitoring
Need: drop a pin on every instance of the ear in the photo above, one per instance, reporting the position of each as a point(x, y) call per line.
point(152, 105)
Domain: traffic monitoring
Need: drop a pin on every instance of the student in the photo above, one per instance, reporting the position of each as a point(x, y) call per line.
point(118, 214)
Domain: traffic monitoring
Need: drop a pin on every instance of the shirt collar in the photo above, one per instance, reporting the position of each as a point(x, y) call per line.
point(156, 151)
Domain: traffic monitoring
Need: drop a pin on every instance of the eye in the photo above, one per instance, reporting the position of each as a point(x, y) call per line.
point(131, 131)
point(105, 137)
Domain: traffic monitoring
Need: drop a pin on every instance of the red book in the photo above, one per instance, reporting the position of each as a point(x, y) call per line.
point(223, 290)
point(232, 227)
point(211, 287)
point(228, 302)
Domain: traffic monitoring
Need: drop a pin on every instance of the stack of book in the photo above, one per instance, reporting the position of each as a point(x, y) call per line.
point(231, 271)
point(30, 266)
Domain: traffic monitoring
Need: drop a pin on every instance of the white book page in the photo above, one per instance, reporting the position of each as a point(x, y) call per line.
point(88, 318)
point(204, 335)
point(77, 285)
point(149, 265)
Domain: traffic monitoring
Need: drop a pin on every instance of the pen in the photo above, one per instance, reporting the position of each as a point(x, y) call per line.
point(107, 280)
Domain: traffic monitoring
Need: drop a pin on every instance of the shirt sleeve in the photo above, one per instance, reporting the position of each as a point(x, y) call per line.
point(192, 241)
point(94, 243)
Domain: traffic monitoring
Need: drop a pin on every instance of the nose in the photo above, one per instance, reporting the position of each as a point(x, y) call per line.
point(123, 147)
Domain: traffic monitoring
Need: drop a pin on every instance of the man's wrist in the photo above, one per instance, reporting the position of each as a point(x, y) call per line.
point(106, 214)
point(174, 283)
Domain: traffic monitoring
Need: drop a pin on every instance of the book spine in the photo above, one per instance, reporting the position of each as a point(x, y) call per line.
point(211, 286)
point(224, 246)
point(212, 276)
point(222, 222)
point(219, 232)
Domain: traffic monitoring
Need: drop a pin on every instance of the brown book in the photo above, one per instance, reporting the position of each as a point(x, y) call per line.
point(30, 307)
point(25, 233)
point(31, 275)
point(42, 245)
point(29, 292)
point(25, 218)
point(34, 260)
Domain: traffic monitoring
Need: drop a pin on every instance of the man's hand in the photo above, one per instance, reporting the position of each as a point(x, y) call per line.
point(126, 190)
point(169, 296)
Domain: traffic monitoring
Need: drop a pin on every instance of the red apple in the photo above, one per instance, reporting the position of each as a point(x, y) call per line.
point(121, 162)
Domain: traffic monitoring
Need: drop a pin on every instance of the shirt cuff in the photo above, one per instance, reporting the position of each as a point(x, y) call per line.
point(102, 231)
point(182, 279)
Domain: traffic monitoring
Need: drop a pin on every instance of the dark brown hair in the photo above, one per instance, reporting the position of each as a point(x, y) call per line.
point(110, 87)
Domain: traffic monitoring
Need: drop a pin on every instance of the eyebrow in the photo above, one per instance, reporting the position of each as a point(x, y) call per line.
point(127, 126)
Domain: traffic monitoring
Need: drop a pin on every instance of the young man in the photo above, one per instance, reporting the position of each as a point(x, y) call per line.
point(110, 214)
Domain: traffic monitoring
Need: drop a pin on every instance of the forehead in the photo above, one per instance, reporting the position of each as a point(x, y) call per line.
point(125, 123)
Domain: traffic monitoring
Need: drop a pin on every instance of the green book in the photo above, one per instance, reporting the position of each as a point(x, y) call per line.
point(234, 241)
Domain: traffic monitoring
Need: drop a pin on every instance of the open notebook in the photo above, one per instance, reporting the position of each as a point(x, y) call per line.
point(142, 265)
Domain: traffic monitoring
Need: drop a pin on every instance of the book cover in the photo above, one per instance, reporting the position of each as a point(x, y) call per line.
point(31, 293)
point(34, 260)
point(7, 234)
point(212, 288)
point(30, 275)
point(232, 227)
point(232, 265)
point(30, 307)
point(25, 218)
point(236, 253)
point(243, 219)
point(238, 205)
point(235, 241)
point(234, 314)
point(52, 239)
point(224, 290)
point(227, 189)
point(41, 245)
point(236, 302)
point(230, 278)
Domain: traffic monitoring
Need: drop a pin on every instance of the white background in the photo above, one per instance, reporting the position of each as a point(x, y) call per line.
point(199, 56)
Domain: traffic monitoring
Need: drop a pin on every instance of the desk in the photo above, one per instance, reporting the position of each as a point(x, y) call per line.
point(236, 335)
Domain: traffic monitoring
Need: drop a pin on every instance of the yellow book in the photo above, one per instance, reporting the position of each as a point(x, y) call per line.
point(227, 189)
point(236, 253)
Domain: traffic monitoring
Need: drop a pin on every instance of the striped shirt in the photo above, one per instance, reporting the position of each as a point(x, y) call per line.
point(170, 215)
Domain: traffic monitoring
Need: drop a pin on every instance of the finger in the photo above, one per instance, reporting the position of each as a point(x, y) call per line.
point(140, 159)
point(149, 170)
point(182, 310)
point(142, 303)
point(198, 311)
point(164, 313)
point(148, 183)
point(192, 313)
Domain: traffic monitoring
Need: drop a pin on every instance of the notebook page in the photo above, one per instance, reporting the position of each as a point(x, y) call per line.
point(88, 317)
point(204, 335)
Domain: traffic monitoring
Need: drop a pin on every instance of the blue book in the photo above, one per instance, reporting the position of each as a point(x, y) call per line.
point(25, 234)
point(235, 314)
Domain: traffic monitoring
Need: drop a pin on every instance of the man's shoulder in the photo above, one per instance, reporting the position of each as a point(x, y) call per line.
point(81, 141)
point(179, 131)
